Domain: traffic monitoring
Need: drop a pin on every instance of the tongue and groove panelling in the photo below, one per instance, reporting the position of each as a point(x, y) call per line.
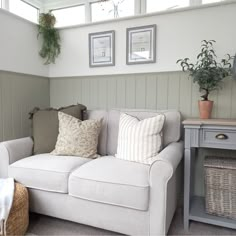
point(19, 94)
point(169, 90)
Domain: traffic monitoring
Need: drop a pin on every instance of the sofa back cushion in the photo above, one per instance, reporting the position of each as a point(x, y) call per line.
point(171, 130)
point(46, 124)
point(108, 138)
point(102, 139)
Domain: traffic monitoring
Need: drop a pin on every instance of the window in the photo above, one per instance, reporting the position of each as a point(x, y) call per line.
point(211, 1)
point(69, 16)
point(24, 10)
point(112, 9)
point(162, 5)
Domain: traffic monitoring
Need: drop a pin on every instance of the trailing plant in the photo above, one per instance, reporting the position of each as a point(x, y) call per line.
point(51, 47)
point(207, 72)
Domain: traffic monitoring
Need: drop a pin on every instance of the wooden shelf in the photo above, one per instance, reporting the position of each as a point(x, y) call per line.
point(223, 122)
point(197, 213)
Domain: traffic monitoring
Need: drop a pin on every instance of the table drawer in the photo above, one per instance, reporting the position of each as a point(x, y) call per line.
point(218, 138)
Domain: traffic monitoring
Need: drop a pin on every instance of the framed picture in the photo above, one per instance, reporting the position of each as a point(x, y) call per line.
point(102, 49)
point(141, 45)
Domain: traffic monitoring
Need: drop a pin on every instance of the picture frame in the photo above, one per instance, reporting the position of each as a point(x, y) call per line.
point(141, 45)
point(102, 49)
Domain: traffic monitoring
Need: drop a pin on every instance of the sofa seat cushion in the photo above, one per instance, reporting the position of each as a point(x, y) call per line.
point(45, 171)
point(112, 181)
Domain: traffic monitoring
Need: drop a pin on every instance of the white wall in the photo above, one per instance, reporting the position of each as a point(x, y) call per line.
point(178, 35)
point(19, 46)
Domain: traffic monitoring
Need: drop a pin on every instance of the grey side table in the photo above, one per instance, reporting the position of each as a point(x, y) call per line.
point(212, 133)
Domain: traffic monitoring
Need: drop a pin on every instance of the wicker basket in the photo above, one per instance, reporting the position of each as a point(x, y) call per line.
point(220, 186)
point(18, 219)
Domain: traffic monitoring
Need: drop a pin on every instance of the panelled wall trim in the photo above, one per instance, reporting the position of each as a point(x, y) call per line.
point(31, 76)
point(166, 90)
point(19, 94)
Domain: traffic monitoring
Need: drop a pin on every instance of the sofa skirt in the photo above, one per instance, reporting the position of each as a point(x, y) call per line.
point(100, 215)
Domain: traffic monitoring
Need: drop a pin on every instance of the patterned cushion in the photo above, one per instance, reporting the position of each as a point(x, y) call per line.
point(139, 141)
point(76, 137)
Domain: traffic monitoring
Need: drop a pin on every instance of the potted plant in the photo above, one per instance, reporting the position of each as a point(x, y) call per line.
point(208, 74)
point(51, 47)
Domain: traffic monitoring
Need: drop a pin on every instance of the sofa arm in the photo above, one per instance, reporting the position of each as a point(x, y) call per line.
point(165, 182)
point(12, 151)
point(171, 156)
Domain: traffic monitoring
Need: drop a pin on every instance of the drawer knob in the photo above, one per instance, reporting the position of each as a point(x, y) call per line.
point(221, 136)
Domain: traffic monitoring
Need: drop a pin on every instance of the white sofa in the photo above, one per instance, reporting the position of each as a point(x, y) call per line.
point(109, 193)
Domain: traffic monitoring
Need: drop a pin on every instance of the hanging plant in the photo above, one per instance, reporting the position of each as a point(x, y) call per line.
point(51, 47)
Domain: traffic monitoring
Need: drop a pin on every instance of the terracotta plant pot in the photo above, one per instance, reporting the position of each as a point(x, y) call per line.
point(205, 109)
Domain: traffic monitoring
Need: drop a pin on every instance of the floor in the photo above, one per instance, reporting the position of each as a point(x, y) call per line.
point(44, 225)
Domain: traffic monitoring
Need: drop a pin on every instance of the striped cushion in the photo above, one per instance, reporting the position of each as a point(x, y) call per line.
point(139, 140)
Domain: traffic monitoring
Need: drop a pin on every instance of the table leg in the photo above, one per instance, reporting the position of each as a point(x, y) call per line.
point(187, 183)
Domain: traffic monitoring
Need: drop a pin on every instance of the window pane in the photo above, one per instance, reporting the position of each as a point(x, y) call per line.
point(70, 16)
point(211, 1)
point(162, 5)
point(24, 10)
point(112, 9)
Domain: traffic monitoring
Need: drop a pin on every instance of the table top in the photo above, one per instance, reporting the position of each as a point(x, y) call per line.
point(223, 122)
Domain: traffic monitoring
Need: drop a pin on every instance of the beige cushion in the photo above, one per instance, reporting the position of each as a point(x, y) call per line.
point(112, 181)
point(45, 172)
point(139, 140)
point(45, 126)
point(171, 130)
point(76, 137)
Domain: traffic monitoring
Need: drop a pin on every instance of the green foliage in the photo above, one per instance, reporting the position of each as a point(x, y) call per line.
point(207, 72)
point(51, 47)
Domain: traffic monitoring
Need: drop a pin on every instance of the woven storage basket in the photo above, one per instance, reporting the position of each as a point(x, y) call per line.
point(18, 219)
point(220, 186)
